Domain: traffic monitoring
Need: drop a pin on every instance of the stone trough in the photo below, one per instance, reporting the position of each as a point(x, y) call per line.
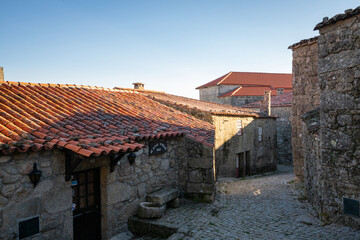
point(153, 208)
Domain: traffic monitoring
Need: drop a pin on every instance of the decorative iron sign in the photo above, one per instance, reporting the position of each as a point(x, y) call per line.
point(157, 147)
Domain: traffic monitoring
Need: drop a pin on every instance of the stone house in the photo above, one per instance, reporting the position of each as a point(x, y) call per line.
point(245, 140)
point(98, 153)
point(240, 88)
point(281, 108)
point(328, 134)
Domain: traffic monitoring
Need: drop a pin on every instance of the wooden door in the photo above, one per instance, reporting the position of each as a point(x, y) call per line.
point(247, 165)
point(240, 166)
point(86, 205)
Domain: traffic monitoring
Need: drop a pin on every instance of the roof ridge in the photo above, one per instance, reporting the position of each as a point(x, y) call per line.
point(10, 83)
point(264, 73)
point(224, 78)
point(240, 87)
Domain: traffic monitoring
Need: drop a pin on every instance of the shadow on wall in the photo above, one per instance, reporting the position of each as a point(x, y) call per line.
point(244, 146)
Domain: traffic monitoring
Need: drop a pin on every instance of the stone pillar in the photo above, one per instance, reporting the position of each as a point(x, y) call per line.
point(138, 85)
point(265, 105)
point(306, 95)
point(1, 74)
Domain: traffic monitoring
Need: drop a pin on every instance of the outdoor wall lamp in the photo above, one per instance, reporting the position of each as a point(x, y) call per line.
point(131, 158)
point(35, 175)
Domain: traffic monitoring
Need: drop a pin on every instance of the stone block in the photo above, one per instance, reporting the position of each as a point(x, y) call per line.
point(119, 192)
point(150, 228)
point(196, 176)
point(200, 188)
point(163, 196)
point(173, 203)
point(4, 159)
point(204, 163)
point(147, 210)
point(59, 201)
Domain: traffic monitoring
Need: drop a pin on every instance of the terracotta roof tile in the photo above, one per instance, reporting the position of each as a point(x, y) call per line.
point(339, 17)
point(90, 121)
point(197, 105)
point(276, 80)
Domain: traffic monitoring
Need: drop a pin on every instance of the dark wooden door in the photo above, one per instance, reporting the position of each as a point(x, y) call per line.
point(247, 168)
point(240, 165)
point(86, 205)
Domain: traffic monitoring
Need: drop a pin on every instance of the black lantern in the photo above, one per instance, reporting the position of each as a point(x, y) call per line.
point(131, 158)
point(35, 175)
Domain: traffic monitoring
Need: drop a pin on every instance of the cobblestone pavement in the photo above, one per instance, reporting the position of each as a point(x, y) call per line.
point(261, 207)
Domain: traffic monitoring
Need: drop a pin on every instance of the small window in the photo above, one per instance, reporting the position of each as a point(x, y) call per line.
point(260, 134)
point(279, 91)
point(239, 127)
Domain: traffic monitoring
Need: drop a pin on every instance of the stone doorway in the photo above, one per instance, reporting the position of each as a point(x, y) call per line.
point(86, 204)
point(243, 164)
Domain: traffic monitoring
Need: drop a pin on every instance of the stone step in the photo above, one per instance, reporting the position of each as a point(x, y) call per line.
point(163, 196)
point(150, 228)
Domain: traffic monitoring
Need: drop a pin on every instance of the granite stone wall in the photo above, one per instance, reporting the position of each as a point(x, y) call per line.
point(228, 144)
point(306, 96)
point(123, 189)
point(50, 201)
point(284, 130)
point(198, 171)
point(211, 94)
point(339, 78)
point(186, 165)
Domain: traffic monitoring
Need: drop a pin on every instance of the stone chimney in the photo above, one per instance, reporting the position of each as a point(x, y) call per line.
point(265, 105)
point(138, 85)
point(1, 74)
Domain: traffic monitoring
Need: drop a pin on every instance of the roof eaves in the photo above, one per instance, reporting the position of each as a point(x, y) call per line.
point(304, 42)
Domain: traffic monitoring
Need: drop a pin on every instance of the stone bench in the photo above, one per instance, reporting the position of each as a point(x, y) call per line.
point(168, 196)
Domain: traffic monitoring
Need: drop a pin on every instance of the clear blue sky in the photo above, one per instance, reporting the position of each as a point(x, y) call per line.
point(169, 45)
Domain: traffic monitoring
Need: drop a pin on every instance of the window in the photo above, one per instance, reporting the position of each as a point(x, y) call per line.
point(239, 127)
point(279, 91)
point(260, 134)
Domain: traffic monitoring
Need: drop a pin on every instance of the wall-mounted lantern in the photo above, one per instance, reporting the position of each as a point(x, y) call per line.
point(35, 175)
point(131, 158)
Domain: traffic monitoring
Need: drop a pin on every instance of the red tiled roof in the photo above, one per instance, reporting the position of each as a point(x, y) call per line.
point(283, 100)
point(209, 107)
point(276, 80)
point(89, 121)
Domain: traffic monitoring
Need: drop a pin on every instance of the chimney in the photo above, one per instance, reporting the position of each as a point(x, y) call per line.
point(1, 74)
point(138, 85)
point(265, 105)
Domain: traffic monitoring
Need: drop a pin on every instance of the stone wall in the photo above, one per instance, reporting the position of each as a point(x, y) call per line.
point(228, 144)
point(312, 157)
point(123, 189)
point(200, 171)
point(305, 95)
point(51, 199)
point(241, 100)
point(284, 130)
point(186, 165)
point(339, 77)
point(211, 94)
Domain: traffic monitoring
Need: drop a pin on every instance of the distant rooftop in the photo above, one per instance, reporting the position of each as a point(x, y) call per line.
point(283, 100)
point(276, 80)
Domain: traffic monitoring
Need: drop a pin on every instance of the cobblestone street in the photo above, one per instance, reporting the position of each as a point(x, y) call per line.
point(260, 207)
